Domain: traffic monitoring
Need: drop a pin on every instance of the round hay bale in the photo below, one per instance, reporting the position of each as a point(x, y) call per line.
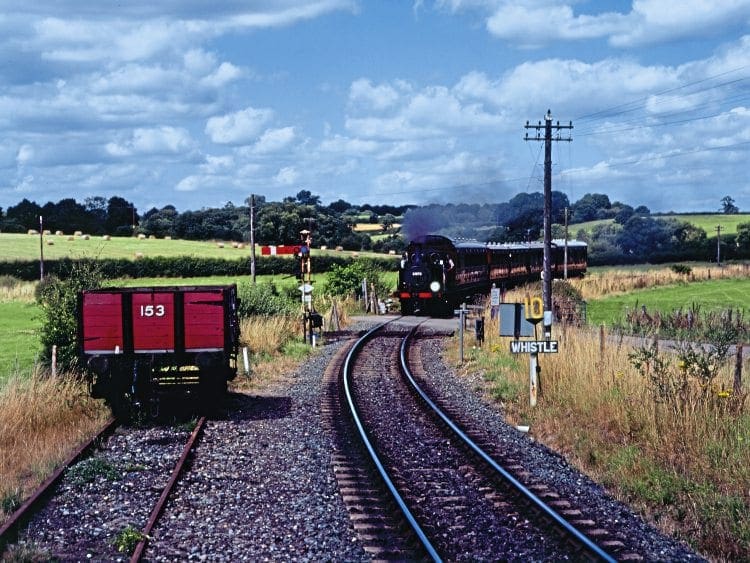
point(324, 247)
point(71, 237)
point(138, 255)
point(33, 232)
point(46, 232)
point(392, 252)
point(220, 244)
point(50, 242)
point(240, 246)
point(167, 237)
point(78, 233)
point(152, 237)
point(141, 237)
point(85, 237)
point(339, 248)
point(107, 237)
point(234, 245)
point(59, 233)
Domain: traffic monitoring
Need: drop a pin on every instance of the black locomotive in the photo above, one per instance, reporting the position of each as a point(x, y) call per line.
point(437, 273)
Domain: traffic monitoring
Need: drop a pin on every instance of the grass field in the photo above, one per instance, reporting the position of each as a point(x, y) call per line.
point(708, 295)
point(19, 337)
point(708, 223)
point(27, 247)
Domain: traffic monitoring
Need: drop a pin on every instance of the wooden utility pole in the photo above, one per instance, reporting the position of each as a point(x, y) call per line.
point(252, 238)
point(547, 261)
point(565, 257)
point(718, 245)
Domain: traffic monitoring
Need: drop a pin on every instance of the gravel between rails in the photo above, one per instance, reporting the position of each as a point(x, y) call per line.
point(549, 467)
point(261, 487)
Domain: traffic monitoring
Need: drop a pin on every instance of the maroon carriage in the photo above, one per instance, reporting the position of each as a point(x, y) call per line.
point(141, 343)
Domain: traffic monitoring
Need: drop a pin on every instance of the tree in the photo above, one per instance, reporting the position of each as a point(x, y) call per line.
point(591, 207)
point(25, 213)
point(305, 197)
point(387, 221)
point(728, 207)
point(122, 217)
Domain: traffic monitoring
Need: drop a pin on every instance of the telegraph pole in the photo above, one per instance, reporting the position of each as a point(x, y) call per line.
point(718, 245)
point(547, 263)
point(252, 238)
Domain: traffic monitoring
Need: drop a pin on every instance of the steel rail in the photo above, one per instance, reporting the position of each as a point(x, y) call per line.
point(528, 494)
point(159, 508)
point(348, 363)
point(10, 530)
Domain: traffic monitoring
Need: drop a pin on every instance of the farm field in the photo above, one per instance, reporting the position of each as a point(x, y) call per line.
point(15, 246)
point(707, 295)
point(19, 337)
point(708, 222)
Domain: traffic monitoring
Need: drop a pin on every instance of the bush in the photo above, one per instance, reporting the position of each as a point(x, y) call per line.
point(264, 300)
point(58, 300)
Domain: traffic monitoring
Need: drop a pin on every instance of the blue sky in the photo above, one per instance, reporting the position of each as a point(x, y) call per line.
point(197, 104)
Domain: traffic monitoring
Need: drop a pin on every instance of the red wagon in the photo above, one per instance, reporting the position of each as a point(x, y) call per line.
point(140, 343)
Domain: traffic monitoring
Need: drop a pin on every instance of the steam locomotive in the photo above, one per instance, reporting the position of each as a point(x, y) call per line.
point(140, 344)
point(437, 273)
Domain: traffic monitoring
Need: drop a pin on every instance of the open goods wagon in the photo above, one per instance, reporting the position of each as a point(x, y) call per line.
point(143, 343)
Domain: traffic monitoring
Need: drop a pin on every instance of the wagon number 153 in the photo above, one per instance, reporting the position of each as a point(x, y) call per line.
point(152, 310)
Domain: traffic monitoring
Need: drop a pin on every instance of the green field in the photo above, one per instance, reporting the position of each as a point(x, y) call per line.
point(19, 337)
point(707, 222)
point(709, 296)
point(27, 247)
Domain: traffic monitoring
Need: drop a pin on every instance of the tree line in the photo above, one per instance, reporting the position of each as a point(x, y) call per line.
point(632, 235)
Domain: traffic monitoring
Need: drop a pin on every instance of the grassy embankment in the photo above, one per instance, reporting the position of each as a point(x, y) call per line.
point(708, 222)
point(681, 457)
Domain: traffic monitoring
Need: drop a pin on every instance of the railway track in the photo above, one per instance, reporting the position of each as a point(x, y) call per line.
point(454, 500)
point(70, 517)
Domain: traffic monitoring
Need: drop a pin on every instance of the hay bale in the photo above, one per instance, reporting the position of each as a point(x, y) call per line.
point(339, 248)
point(50, 242)
point(78, 233)
point(220, 244)
point(46, 232)
point(138, 255)
point(141, 236)
point(71, 237)
point(59, 233)
point(234, 245)
point(167, 237)
point(392, 252)
point(240, 246)
point(324, 247)
point(33, 232)
point(107, 237)
point(85, 237)
point(152, 237)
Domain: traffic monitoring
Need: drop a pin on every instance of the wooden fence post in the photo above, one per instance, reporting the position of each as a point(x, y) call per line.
point(738, 371)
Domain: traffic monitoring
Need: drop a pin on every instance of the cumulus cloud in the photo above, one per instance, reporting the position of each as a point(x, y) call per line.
point(541, 22)
point(363, 93)
point(157, 140)
point(274, 140)
point(238, 128)
point(286, 176)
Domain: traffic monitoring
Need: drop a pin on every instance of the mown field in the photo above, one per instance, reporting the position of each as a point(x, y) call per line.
point(708, 223)
point(717, 295)
point(27, 247)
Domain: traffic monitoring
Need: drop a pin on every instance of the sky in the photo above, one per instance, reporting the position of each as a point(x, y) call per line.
point(197, 104)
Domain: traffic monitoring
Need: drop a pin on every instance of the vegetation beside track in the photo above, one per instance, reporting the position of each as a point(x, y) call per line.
point(664, 431)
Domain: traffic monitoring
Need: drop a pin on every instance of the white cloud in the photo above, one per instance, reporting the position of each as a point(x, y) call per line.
point(363, 93)
point(239, 127)
point(226, 73)
point(286, 176)
point(157, 140)
point(25, 154)
point(274, 140)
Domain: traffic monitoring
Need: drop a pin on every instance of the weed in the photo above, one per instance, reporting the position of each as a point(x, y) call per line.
point(26, 554)
point(11, 501)
point(90, 469)
point(128, 539)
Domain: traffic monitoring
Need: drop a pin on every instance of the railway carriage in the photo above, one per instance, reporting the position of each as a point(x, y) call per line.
point(143, 343)
point(438, 273)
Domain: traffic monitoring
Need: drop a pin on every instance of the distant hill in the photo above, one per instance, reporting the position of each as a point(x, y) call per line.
point(706, 221)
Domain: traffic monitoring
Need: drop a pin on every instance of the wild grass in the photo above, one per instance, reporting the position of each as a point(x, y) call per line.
point(41, 421)
point(647, 425)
